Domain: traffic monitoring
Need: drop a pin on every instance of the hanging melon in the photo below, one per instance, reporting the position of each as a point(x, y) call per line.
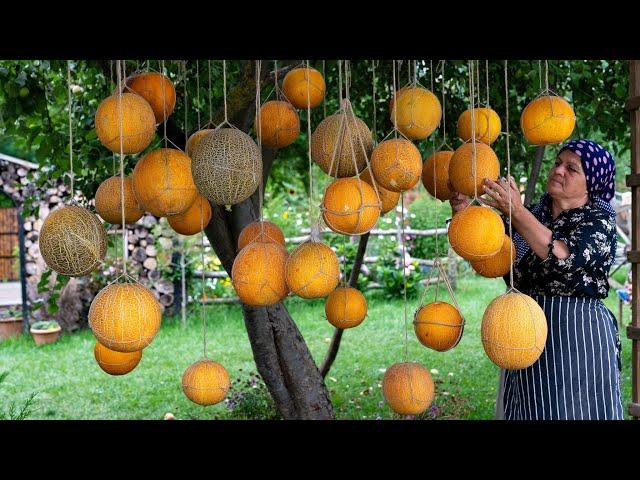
point(396, 164)
point(341, 144)
point(499, 264)
point(312, 270)
point(345, 307)
point(487, 125)
point(138, 123)
point(350, 206)
point(279, 124)
point(461, 173)
point(162, 182)
point(194, 140)
point(408, 388)
point(258, 274)
point(157, 90)
point(438, 325)
point(260, 232)
point(514, 331)
point(109, 205)
point(304, 87)
point(227, 166)
point(72, 241)
point(437, 186)
point(192, 220)
point(476, 233)
point(416, 112)
point(116, 363)
point(125, 317)
point(547, 120)
point(388, 198)
point(206, 382)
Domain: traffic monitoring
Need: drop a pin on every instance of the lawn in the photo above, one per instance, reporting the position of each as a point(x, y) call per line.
point(70, 385)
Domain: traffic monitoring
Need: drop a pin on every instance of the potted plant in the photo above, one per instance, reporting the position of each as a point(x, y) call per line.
point(45, 331)
point(10, 324)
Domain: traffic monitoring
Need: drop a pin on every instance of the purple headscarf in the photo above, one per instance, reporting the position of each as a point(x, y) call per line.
point(600, 171)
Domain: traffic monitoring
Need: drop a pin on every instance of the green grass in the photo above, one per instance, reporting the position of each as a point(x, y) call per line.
point(70, 385)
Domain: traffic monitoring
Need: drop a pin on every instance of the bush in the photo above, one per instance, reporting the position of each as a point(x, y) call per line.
point(422, 216)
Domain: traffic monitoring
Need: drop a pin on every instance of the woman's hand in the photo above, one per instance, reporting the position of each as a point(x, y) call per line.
point(458, 201)
point(499, 194)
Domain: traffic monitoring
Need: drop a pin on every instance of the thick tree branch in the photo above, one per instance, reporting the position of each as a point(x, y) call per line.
point(535, 171)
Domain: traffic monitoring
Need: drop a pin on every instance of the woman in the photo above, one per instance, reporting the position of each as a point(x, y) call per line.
point(565, 246)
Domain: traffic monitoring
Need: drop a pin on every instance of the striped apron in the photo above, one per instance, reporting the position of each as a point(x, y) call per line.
point(577, 377)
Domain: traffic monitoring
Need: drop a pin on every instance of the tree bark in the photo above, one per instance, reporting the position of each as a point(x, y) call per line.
point(334, 346)
point(535, 171)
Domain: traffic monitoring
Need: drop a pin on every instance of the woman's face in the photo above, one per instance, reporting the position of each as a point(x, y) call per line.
point(567, 180)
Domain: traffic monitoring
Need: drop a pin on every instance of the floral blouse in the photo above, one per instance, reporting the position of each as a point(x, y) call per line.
point(590, 235)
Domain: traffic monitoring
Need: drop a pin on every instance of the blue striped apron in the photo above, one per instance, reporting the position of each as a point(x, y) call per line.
point(577, 377)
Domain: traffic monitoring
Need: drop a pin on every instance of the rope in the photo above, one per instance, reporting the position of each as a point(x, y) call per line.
point(546, 75)
point(473, 130)
point(404, 279)
point(198, 92)
point(309, 147)
point(540, 73)
point(184, 80)
point(375, 130)
point(339, 82)
point(444, 117)
point(202, 316)
point(395, 103)
point(324, 99)
point(210, 107)
point(120, 74)
point(164, 104)
point(415, 74)
point(71, 173)
point(506, 100)
point(275, 83)
point(259, 126)
point(486, 70)
point(224, 89)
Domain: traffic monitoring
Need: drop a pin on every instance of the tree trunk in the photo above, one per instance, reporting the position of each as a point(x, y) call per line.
point(535, 171)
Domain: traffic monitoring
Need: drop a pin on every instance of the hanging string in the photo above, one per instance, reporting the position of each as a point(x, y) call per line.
point(184, 81)
point(275, 82)
point(198, 92)
point(259, 126)
point(506, 101)
point(486, 71)
point(444, 110)
point(120, 73)
point(404, 280)
point(395, 100)
point(375, 130)
point(415, 74)
point(224, 89)
point(546, 76)
point(540, 73)
point(309, 145)
point(204, 284)
point(210, 105)
point(473, 129)
point(347, 78)
point(71, 173)
point(339, 83)
point(164, 105)
point(324, 99)
point(435, 178)
point(113, 154)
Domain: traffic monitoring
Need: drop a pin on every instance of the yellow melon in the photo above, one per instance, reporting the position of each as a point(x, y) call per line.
point(206, 382)
point(396, 164)
point(345, 307)
point(408, 388)
point(72, 241)
point(514, 331)
point(279, 124)
point(138, 123)
point(304, 87)
point(258, 274)
point(438, 325)
point(260, 232)
point(156, 89)
point(547, 120)
point(194, 140)
point(162, 182)
point(109, 205)
point(461, 174)
point(437, 185)
point(486, 122)
point(388, 198)
point(497, 265)
point(116, 363)
point(194, 219)
point(125, 317)
point(416, 112)
point(476, 233)
point(350, 206)
point(312, 270)
point(341, 144)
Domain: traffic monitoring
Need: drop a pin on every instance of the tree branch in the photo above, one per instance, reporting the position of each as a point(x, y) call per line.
point(535, 171)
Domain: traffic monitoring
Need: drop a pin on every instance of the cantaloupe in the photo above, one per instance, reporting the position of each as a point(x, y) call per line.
point(279, 124)
point(206, 382)
point(116, 363)
point(486, 122)
point(438, 325)
point(436, 182)
point(461, 174)
point(388, 198)
point(109, 205)
point(162, 182)
point(72, 241)
point(350, 206)
point(408, 388)
point(312, 270)
point(304, 87)
point(258, 274)
point(136, 116)
point(514, 331)
point(125, 317)
point(497, 265)
point(416, 112)
point(345, 307)
point(258, 231)
point(396, 164)
point(193, 219)
point(476, 233)
point(157, 90)
point(547, 120)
